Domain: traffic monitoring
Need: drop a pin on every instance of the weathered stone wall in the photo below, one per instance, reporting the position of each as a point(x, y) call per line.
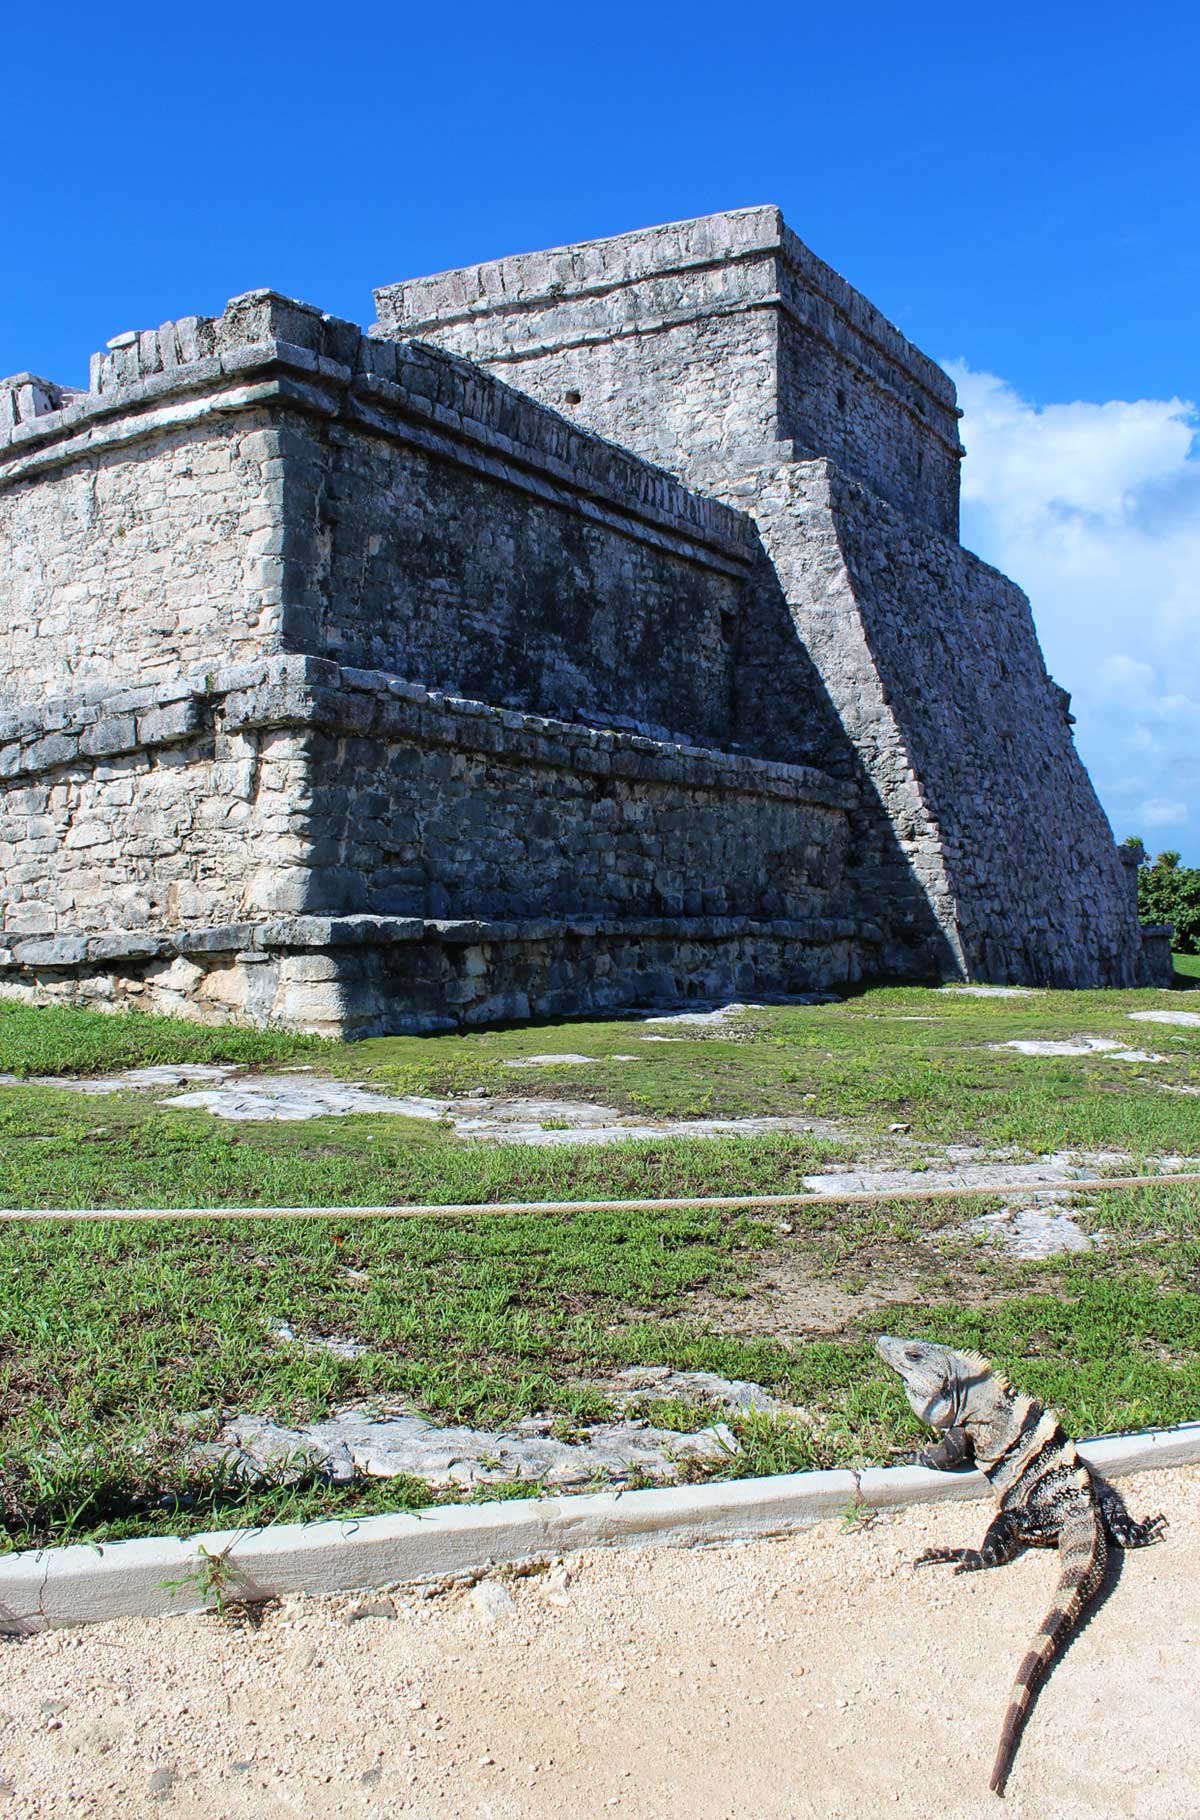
point(546, 824)
point(1038, 886)
point(227, 490)
point(700, 340)
point(872, 646)
point(960, 738)
point(346, 686)
point(144, 809)
point(367, 976)
point(429, 568)
point(135, 560)
point(174, 845)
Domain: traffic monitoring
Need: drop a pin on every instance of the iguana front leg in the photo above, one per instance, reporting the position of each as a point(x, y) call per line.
point(1002, 1541)
point(954, 1449)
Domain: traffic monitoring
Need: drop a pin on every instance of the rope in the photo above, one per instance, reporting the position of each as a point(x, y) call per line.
point(720, 1203)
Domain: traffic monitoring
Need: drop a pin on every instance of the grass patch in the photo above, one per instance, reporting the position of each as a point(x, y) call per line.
point(1187, 972)
point(58, 1149)
point(488, 1321)
point(120, 1345)
point(925, 1059)
point(59, 1039)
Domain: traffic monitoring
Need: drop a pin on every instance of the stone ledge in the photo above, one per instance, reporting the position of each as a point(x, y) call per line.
point(301, 691)
point(400, 384)
point(520, 283)
point(73, 952)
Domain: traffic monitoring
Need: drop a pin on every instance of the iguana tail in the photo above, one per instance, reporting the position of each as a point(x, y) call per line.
point(1083, 1552)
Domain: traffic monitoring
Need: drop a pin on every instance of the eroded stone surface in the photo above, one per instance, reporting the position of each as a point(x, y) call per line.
point(139, 1079)
point(513, 1120)
point(1191, 1019)
point(706, 1388)
point(1079, 1045)
point(385, 1444)
point(1032, 1232)
point(270, 1096)
point(967, 1170)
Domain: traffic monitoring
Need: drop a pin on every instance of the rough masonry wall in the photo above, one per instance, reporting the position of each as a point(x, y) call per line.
point(378, 504)
point(342, 850)
point(1039, 889)
point(143, 810)
point(535, 827)
point(138, 559)
point(842, 395)
point(970, 779)
point(436, 571)
point(872, 645)
point(702, 339)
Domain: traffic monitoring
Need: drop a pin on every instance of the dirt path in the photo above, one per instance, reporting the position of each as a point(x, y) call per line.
point(817, 1675)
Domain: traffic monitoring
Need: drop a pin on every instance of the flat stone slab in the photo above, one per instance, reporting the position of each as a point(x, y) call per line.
point(142, 1079)
point(297, 1097)
point(659, 1382)
point(1031, 1232)
point(1061, 1167)
point(709, 1019)
point(1190, 1018)
point(478, 1117)
point(1080, 1045)
point(298, 1094)
point(565, 1061)
point(381, 1444)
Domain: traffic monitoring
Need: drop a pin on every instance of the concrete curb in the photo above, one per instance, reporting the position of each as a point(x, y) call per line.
point(44, 1588)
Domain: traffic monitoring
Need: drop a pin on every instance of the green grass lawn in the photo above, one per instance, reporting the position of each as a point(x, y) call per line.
point(498, 1319)
point(887, 1056)
point(1187, 972)
point(114, 1338)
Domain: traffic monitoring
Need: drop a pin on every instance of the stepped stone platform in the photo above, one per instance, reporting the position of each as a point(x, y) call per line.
point(592, 630)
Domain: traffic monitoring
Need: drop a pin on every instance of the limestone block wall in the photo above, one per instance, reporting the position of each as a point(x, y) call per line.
point(138, 560)
point(696, 340)
point(272, 480)
point(143, 809)
point(345, 685)
point(960, 737)
point(508, 823)
point(503, 584)
point(291, 841)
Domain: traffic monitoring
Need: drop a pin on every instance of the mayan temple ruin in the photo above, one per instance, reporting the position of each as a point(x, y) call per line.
point(592, 629)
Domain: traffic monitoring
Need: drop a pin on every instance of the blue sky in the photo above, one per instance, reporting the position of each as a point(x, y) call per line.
point(1016, 188)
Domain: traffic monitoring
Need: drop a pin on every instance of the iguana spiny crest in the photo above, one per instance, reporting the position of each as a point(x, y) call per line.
point(1047, 1496)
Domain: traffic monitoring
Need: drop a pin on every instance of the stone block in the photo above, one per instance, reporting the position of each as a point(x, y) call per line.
point(126, 945)
point(55, 951)
point(177, 721)
point(113, 734)
point(222, 939)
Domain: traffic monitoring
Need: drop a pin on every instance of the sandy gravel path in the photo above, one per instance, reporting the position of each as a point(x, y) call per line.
point(817, 1675)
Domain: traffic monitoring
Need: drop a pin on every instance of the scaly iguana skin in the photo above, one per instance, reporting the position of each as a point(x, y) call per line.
point(1047, 1496)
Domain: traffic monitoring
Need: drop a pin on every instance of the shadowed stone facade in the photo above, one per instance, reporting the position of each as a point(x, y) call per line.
point(377, 681)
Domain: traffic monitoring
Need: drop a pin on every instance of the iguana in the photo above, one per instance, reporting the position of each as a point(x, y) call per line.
point(1047, 1496)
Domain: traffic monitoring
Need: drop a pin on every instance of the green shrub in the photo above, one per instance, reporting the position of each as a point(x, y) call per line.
point(1170, 893)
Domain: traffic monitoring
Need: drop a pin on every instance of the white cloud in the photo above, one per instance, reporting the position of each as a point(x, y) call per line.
point(1158, 814)
point(1094, 509)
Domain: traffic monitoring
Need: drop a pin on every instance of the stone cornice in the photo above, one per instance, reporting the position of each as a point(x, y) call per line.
point(304, 692)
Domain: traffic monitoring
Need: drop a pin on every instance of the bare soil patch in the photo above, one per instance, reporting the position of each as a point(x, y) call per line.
point(819, 1675)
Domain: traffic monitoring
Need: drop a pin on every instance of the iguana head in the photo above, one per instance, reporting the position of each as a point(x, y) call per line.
point(938, 1382)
